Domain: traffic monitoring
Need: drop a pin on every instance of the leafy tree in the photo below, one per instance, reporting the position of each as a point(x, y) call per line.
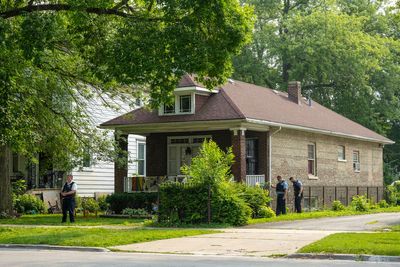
point(345, 53)
point(57, 55)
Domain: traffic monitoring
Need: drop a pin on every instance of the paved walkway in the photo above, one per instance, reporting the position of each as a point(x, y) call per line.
point(265, 239)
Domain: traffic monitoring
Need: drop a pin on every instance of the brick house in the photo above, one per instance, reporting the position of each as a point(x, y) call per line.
point(271, 133)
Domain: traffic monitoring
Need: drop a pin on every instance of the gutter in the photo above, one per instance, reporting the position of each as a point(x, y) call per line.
point(313, 130)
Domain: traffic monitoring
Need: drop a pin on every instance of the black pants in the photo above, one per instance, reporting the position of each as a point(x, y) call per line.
point(297, 203)
point(68, 205)
point(280, 205)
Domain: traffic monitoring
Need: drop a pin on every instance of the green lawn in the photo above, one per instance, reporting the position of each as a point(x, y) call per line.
point(320, 214)
point(55, 219)
point(387, 243)
point(93, 237)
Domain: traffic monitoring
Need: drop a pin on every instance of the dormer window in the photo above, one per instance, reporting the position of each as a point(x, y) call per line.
point(183, 104)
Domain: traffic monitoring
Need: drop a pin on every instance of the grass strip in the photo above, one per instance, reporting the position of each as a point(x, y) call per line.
point(357, 243)
point(90, 237)
point(321, 214)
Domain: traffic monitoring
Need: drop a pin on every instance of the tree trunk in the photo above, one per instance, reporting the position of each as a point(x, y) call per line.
point(5, 181)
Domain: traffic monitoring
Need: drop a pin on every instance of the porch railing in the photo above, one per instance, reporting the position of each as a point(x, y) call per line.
point(254, 180)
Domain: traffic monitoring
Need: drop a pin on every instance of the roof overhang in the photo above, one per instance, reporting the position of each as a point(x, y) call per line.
point(320, 131)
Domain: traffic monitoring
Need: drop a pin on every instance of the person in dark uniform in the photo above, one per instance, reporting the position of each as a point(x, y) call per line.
point(68, 193)
point(281, 195)
point(298, 193)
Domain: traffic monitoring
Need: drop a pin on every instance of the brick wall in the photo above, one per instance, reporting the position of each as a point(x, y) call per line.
point(289, 158)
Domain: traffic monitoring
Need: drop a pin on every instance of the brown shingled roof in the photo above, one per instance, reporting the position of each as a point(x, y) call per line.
point(240, 100)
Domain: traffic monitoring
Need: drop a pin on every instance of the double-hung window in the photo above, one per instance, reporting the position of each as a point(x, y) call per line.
point(356, 161)
point(341, 153)
point(185, 103)
point(141, 159)
point(311, 159)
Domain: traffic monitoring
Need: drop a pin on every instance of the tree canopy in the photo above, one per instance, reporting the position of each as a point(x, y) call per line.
point(55, 55)
point(345, 53)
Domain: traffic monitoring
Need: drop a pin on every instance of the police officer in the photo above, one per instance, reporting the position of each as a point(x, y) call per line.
point(298, 193)
point(281, 195)
point(68, 193)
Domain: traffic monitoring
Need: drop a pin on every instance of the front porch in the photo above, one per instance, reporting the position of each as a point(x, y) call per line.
point(167, 152)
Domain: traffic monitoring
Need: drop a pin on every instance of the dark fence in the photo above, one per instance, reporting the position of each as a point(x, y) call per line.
point(318, 197)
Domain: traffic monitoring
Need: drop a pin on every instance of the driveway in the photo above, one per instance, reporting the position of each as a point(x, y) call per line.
point(367, 222)
point(265, 239)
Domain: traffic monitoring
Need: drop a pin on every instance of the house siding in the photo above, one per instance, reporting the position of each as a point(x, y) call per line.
point(289, 158)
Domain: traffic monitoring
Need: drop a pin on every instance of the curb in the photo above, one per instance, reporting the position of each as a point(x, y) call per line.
point(349, 257)
point(50, 247)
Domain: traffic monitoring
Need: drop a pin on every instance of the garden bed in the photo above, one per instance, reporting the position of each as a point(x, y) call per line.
point(123, 216)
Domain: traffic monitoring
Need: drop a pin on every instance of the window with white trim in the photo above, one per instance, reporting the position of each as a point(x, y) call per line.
point(169, 108)
point(141, 159)
point(182, 104)
point(341, 153)
point(185, 103)
point(311, 159)
point(356, 161)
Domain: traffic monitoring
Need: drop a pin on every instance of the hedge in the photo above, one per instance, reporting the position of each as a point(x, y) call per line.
point(139, 200)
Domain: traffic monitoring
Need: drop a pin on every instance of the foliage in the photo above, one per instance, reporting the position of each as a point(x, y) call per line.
point(103, 205)
point(139, 212)
point(78, 203)
point(383, 204)
point(90, 237)
point(140, 200)
point(266, 212)
point(337, 206)
point(256, 197)
point(57, 57)
point(211, 166)
point(19, 187)
point(360, 203)
point(29, 204)
point(393, 193)
point(90, 205)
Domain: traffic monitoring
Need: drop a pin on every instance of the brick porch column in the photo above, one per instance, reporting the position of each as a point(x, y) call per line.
point(239, 150)
point(121, 164)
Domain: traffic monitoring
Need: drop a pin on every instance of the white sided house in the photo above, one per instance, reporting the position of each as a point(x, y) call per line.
point(97, 177)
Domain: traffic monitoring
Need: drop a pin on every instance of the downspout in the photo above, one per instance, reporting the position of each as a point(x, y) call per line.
point(270, 156)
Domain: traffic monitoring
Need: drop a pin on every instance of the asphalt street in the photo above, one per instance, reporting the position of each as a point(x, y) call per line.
point(36, 258)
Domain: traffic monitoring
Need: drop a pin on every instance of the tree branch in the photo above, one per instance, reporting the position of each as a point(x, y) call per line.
point(65, 7)
point(310, 86)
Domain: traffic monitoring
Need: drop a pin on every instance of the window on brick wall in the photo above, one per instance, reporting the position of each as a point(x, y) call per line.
point(341, 153)
point(356, 161)
point(311, 159)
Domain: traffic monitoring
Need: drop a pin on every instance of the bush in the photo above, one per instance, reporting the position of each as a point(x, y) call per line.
point(360, 203)
point(393, 193)
point(29, 204)
point(103, 205)
point(90, 205)
point(383, 204)
point(140, 200)
point(138, 212)
point(255, 197)
point(266, 212)
point(78, 204)
point(337, 206)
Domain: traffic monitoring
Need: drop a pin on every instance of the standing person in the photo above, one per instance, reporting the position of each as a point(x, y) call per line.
point(68, 193)
point(298, 193)
point(281, 195)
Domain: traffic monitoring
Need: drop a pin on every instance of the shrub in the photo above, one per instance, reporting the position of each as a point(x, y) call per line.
point(78, 203)
point(360, 203)
point(90, 205)
point(29, 204)
point(138, 212)
point(337, 206)
point(383, 204)
point(255, 197)
point(140, 200)
point(103, 205)
point(266, 212)
point(393, 193)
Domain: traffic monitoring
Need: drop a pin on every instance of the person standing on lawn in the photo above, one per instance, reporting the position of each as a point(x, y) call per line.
point(298, 193)
point(68, 193)
point(281, 195)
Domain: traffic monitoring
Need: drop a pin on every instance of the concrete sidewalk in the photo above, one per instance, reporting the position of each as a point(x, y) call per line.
point(234, 242)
